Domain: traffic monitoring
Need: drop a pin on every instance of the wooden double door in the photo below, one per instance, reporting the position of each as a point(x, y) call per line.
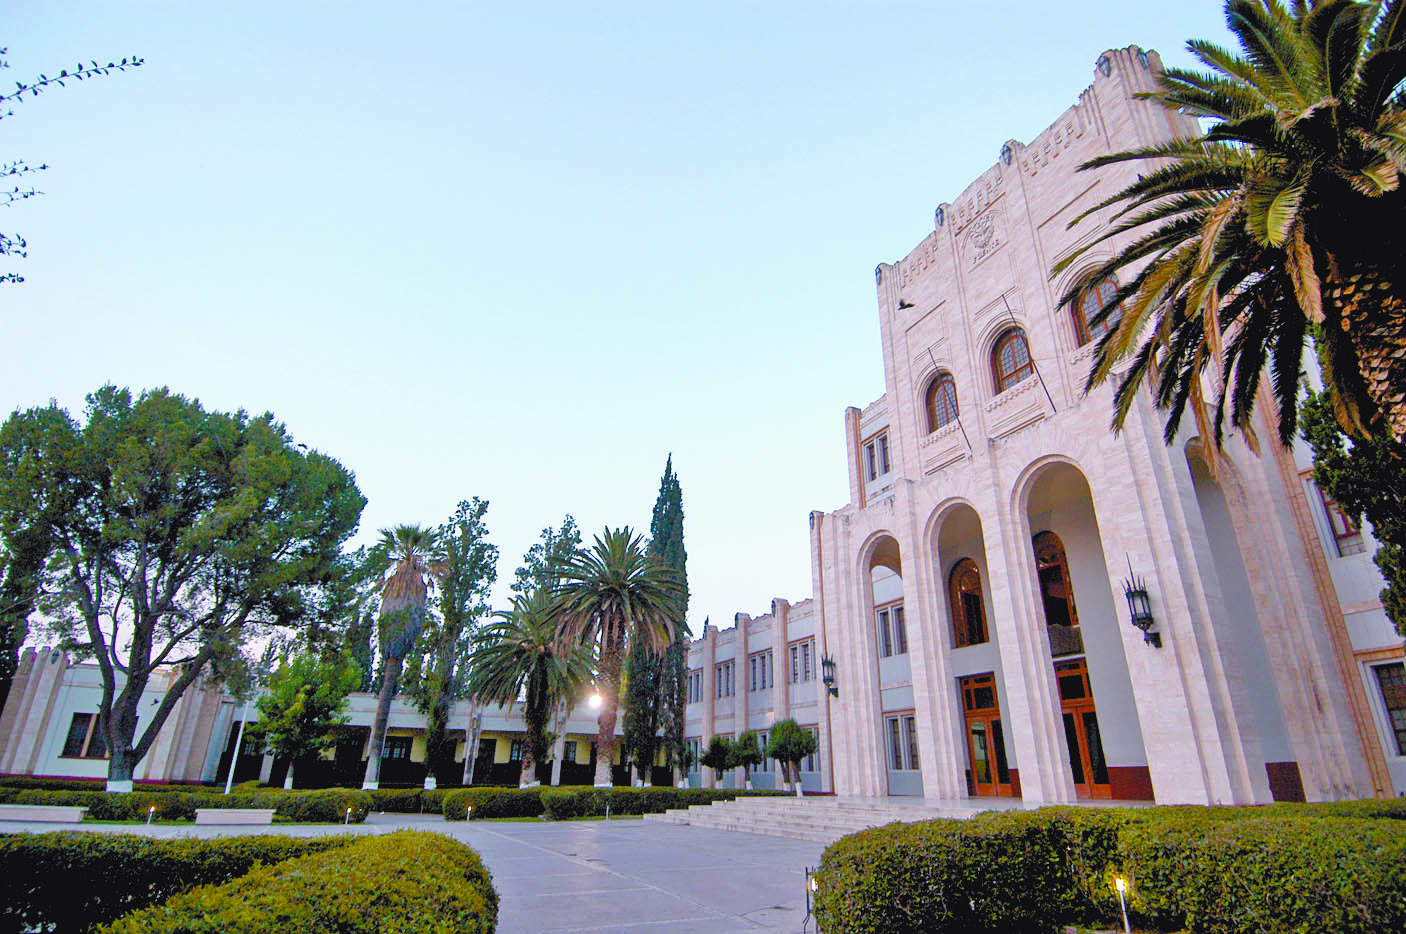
point(1081, 732)
point(988, 772)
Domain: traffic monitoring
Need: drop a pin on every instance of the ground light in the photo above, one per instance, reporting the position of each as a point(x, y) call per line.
point(348, 818)
point(469, 813)
point(1122, 886)
point(150, 812)
point(812, 890)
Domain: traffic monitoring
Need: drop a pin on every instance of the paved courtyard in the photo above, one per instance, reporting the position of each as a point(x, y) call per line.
point(601, 876)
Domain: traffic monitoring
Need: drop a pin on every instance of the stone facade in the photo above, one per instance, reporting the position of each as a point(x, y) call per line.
point(1265, 684)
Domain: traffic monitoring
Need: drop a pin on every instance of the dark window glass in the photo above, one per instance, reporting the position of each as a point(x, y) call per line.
point(1010, 362)
point(1086, 308)
point(97, 743)
point(77, 733)
point(968, 609)
point(1392, 680)
point(1071, 737)
point(942, 402)
point(998, 743)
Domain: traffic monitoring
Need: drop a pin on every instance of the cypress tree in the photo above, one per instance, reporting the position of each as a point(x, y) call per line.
point(656, 683)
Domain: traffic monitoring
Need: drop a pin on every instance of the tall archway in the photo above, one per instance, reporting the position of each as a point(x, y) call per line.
point(978, 688)
point(888, 618)
point(1078, 610)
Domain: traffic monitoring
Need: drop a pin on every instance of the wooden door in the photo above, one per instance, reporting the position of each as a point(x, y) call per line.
point(1081, 730)
point(987, 770)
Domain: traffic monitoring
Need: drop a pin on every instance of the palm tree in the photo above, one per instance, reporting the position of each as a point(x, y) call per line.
point(608, 596)
point(412, 562)
point(1285, 219)
point(523, 654)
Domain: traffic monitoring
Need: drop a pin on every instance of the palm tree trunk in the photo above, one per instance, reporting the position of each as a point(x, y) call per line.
point(389, 678)
point(608, 683)
point(1374, 317)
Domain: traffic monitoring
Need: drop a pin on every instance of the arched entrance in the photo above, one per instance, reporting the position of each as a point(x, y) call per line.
point(968, 630)
point(1098, 718)
point(889, 619)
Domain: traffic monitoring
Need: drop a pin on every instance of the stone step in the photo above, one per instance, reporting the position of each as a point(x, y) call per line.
point(823, 820)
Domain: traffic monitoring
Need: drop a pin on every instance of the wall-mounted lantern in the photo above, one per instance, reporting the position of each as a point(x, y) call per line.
point(1140, 608)
point(827, 675)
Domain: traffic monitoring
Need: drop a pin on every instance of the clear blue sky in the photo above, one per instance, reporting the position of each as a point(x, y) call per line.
point(523, 251)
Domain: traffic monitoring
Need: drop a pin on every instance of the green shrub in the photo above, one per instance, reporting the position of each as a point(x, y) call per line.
point(409, 800)
point(1221, 870)
point(400, 883)
point(490, 802)
point(1267, 874)
point(95, 784)
point(68, 881)
point(327, 805)
point(568, 802)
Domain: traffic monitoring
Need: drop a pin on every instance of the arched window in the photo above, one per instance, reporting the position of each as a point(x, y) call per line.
point(1093, 299)
point(968, 606)
point(1010, 360)
point(941, 402)
point(1057, 595)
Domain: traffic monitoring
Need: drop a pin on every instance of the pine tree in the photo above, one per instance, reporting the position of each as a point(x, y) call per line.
point(655, 696)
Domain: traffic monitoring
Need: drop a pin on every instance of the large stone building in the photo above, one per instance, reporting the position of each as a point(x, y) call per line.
point(969, 602)
point(970, 598)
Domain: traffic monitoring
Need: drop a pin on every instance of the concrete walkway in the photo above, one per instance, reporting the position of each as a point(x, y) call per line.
point(596, 876)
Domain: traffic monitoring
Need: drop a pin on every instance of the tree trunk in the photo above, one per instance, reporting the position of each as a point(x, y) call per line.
point(120, 766)
point(528, 775)
point(471, 736)
point(288, 779)
point(1375, 320)
point(389, 678)
point(608, 684)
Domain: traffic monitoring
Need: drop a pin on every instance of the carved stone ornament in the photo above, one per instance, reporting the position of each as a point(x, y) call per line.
point(981, 236)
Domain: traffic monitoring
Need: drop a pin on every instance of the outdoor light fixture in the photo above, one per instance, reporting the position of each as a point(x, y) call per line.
point(1122, 887)
point(827, 675)
point(1140, 607)
point(594, 702)
point(812, 890)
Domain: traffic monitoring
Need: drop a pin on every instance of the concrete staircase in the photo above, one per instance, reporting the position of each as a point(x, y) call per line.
point(821, 818)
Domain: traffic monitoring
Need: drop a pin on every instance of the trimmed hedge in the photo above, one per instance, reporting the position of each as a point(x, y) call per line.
point(96, 784)
point(400, 883)
point(1290, 868)
point(323, 806)
point(408, 800)
point(70, 880)
point(561, 803)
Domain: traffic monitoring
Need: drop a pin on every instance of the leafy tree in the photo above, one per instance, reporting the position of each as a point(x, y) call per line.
point(302, 704)
point(609, 596)
point(541, 565)
point(523, 655)
point(746, 753)
point(1366, 478)
point(657, 683)
point(38, 487)
point(185, 532)
point(718, 756)
point(410, 556)
point(1285, 217)
point(470, 567)
point(789, 744)
point(11, 172)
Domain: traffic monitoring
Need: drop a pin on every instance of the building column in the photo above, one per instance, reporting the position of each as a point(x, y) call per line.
point(708, 777)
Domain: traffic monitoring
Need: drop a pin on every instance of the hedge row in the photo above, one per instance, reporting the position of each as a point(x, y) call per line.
point(400, 883)
point(324, 806)
point(1222, 870)
point(559, 803)
point(408, 800)
point(69, 881)
point(95, 784)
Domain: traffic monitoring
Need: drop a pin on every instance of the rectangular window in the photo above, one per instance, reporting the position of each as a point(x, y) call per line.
point(568, 751)
point(397, 747)
point(903, 742)
point(876, 458)
point(885, 647)
point(515, 753)
point(1392, 681)
point(1347, 534)
point(765, 764)
point(893, 634)
point(801, 655)
point(723, 676)
point(77, 741)
point(695, 686)
point(900, 631)
point(806, 674)
point(84, 739)
point(692, 745)
point(809, 763)
point(795, 664)
point(759, 670)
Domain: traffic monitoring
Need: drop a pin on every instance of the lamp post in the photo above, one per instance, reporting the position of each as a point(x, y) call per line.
point(827, 675)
